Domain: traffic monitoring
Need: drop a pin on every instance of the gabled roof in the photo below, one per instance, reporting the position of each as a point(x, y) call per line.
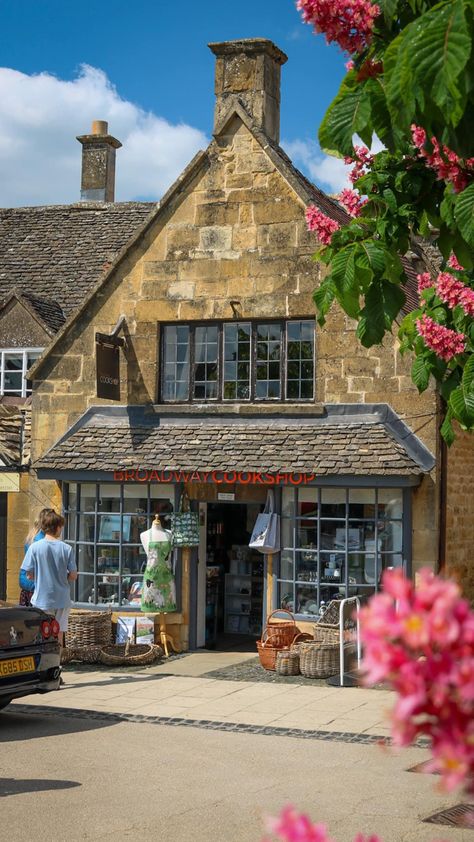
point(367, 440)
point(57, 253)
point(304, 190)
point(47, 312)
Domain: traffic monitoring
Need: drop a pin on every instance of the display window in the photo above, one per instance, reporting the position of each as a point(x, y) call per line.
point(336, 542)
point(103, 525)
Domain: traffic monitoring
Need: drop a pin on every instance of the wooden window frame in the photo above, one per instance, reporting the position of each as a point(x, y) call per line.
point(254, 323)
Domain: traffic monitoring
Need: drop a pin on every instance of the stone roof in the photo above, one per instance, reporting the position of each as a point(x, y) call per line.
point(56, 254)
point(107, 439)
point(15, 435)
point(50, 312)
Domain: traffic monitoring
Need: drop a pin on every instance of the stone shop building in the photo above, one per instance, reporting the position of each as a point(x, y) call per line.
point(228, 388)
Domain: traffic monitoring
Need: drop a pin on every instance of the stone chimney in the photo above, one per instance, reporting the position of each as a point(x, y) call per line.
point(249, 71)
point(98, 163)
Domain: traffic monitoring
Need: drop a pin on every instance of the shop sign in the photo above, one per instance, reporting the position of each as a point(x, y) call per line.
point(225, 495)
point(9, 482)
point(108, 371)
point(218, 477)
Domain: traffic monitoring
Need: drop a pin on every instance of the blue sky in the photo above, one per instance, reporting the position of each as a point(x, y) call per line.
point(151, 56)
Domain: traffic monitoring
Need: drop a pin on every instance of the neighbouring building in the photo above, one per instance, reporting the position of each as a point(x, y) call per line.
point(228, 388)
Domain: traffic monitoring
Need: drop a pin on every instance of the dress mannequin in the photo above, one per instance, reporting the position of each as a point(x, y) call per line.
point(159, 589)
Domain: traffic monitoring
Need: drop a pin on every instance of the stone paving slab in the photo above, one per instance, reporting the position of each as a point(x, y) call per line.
point(355, 710)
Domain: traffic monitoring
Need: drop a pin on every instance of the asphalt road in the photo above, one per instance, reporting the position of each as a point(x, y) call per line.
point(87, 779)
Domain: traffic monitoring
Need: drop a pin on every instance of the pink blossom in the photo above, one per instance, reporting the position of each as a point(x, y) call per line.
point(349, 65)
point(347, 22)
point(425, 281)
point(446, 164)
point(453, 292)
point(454, 263)
point(446, 343)
point(362, 160)
point(351, 201)
point(291, 826)
point(323, 225)
point(421, 641)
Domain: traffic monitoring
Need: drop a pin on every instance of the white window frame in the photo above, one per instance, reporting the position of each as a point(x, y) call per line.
point(24, 352)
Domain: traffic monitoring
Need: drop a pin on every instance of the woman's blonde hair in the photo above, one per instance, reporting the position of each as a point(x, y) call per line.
point(37, 526)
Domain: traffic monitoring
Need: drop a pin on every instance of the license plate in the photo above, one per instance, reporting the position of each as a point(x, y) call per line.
point(17, 665)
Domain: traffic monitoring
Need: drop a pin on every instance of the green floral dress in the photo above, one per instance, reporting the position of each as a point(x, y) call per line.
point(159, 589)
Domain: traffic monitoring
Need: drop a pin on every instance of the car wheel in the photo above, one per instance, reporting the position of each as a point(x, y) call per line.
point(4, 703)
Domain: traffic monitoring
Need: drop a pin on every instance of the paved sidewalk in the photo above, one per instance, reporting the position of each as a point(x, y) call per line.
point(187, 695)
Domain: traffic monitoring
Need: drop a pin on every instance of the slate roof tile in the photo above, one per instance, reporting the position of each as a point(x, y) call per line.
point(324, 449)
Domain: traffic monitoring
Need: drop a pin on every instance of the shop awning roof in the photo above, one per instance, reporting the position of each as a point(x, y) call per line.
point(341, 440)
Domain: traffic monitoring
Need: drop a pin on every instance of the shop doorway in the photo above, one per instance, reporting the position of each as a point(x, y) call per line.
point(234, 578)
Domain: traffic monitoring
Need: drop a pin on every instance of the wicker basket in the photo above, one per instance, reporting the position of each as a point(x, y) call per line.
point(283, 632)
point(137, 655)
point(319, 660)
point(300, 638)
point(84, 654)
point(89, 628)
point(326, 633)
point(287, 662)
point(268, 651)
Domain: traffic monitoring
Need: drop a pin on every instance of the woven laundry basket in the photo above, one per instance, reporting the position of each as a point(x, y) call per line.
point(319, 660)
point(89, 628)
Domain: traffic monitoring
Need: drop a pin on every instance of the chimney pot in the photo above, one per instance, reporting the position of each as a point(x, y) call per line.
point(100, 127)
point(98, 163)
point(248, 71)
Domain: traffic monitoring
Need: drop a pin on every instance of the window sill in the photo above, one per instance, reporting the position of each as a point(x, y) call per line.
point(250, 409)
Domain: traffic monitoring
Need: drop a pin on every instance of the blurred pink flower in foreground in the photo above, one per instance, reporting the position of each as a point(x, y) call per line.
point(421, 642)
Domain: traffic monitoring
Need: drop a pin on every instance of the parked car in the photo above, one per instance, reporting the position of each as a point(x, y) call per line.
point(29, 653)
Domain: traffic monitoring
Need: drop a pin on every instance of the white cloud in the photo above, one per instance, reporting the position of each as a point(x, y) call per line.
point(40, 159)
point(329, 173)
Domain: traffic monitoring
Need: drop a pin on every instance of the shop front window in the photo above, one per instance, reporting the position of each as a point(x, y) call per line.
point(103, 525)
point(336, 542)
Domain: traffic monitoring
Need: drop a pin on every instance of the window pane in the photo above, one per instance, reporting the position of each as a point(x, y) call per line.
point(268, 372)
point(333, 502)
point(108, 589)
point(14, 362)
point(135, 498)
point(85, 560)
point(300, 355)
point(362, 503)
point(86, 528)
point(107, 560)
point(85, 589)
point(390, 503)
point(71, 496)
point(287, 596)
point(109, 528)
point(109, 497)
point(87, 496)
point(206, 362)
point(306, 600)
point(176, 363)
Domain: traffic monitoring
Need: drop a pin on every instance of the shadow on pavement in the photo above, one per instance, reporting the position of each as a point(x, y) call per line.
point(17, 786)
point(19, 726)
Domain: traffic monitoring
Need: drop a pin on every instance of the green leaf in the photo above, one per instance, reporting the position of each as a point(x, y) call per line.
point(348, 114)
point(388, 9)
point(464, 213)
point(420, 373)
point(447, 430)
point(463, 410)
point(371, 327)
point(323, 297)
point(342, 269)
point(468, 374)
point(441, 48)
point(398, 75)
point(394, 299)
